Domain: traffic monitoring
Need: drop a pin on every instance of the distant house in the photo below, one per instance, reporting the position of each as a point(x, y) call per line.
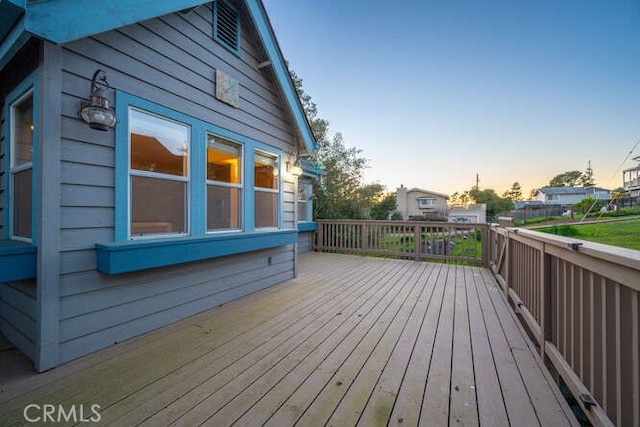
point(416, 202)
point(631, 180)
point(476, 213)
point(566, 196)
point(190, 199)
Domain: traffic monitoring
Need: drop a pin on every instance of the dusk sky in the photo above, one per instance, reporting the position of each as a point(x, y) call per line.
point(434, 92)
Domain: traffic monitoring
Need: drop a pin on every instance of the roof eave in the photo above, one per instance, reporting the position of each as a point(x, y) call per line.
point(270, 43)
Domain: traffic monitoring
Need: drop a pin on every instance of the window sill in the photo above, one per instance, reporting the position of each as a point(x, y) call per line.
point(17, 260)
point(117, 258)
point(307, 226)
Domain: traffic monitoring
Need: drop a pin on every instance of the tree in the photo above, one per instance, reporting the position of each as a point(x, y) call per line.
point(514, 193)
point(587, 180)
point(340, 192)
point(566, 179)
point(384, 207)
point(495, 204)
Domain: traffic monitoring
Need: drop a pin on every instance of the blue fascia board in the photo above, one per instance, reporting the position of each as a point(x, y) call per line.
point(45, 18)
point(18, 261)
point(117, 258)
point(11, 13)
point(307, 226)
point(270, 43)
point(13, 42)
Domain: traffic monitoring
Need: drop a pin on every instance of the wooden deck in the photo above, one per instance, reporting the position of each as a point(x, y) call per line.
point(351, 341)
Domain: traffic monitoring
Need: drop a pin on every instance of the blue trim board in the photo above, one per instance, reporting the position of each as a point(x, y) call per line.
point(18, 261)
point(307, 226)
point(44, 18)
point(117, 258)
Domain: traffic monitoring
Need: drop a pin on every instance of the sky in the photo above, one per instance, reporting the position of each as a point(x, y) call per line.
point(435, 92)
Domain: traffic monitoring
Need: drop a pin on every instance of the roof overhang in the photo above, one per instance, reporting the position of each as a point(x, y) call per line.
point(43, 20)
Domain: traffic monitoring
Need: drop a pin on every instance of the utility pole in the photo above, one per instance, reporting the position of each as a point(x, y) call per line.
point(477, 180)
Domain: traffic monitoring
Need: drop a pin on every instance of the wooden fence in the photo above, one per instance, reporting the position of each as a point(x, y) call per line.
point(437, 241)
point(580, 300)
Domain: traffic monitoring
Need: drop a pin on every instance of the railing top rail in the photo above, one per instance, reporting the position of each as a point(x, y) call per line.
point(445, 224)
point(621, 256)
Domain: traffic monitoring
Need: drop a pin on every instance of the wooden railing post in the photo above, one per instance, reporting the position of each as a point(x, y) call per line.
point(507, 278)
point(365, 238)
point(320, 237)
point(416, 241)
point(546, 326)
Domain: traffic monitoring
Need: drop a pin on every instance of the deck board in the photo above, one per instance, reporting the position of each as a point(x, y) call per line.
point(351, 341)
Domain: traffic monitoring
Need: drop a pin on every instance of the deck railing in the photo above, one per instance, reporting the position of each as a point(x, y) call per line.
point(580, 300)
point(419, 240)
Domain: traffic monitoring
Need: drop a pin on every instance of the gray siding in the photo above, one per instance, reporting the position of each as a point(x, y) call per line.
point(170, 61)
point(18, 315)
point(305, 241)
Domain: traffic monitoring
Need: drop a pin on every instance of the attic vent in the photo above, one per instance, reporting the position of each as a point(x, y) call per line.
point(226, 25)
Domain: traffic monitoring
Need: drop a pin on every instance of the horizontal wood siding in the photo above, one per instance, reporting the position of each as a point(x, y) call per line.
point(18, 315)
point(170, 61)
point(305, 241)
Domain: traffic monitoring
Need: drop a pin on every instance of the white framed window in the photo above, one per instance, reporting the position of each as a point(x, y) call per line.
point(304, 200)
point(158, 175)
point(426, 202)
point(267, 189)
point(21, 167)
point(224, 184)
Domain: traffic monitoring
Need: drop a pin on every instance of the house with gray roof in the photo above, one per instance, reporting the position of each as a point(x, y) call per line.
point(570, 195)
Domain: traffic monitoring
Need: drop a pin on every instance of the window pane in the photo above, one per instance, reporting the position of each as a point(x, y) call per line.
point(22, 203)
point(302, 211)
point(158, 145)
point(158, 206)
point(223, 208)
point(266, 209)
point(224, 160)
point(266, 171)
point(23, 131)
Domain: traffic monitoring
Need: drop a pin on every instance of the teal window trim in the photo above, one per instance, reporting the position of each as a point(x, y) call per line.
point(216, 10)
point(28, 84)
point(204, 244)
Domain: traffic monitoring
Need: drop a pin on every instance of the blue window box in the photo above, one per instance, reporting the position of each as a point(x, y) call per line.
point(307, 226)
point(17, 260)
point(117, 258)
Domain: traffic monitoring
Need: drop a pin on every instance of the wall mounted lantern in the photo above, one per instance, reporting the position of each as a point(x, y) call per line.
point(294, 169)
point(95, 111)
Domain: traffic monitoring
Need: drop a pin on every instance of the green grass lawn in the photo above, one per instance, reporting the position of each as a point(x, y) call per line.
point(625, 234)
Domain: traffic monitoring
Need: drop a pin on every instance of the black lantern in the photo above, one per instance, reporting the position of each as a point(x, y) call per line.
point(96, 111)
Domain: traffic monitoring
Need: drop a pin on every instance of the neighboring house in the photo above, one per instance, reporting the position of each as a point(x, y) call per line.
point(416, 202)
point(566, 196)
point(188, 201)
point(468, 213)
point(631, 180)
